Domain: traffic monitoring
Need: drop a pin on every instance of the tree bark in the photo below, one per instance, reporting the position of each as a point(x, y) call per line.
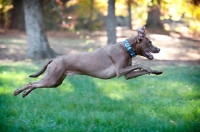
point(2, 16)
point(38, 46)
point(17, 15)
point(153, 20)
point(111, 23)
point(129, 14)
point(89, 23)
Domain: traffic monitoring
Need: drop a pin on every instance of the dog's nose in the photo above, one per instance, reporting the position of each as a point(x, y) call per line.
point(158, 49)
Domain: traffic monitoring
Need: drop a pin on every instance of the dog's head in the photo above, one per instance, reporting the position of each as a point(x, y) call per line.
point(145, 48)
point(143, 45)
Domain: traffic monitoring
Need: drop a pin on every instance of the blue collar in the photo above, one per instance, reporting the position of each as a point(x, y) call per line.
point(129, 48)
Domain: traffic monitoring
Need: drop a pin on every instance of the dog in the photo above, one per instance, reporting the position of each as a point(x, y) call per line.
point(104, 63)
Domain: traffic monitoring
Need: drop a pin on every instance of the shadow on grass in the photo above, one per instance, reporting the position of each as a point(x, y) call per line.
point(81, 103)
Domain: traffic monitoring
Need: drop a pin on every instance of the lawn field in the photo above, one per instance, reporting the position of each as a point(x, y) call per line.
point(166, 103)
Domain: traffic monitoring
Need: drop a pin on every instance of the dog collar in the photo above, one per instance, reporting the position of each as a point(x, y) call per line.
point(129, 48)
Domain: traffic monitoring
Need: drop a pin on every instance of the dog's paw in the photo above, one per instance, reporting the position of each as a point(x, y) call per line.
point(16, 92)
point(157, 72)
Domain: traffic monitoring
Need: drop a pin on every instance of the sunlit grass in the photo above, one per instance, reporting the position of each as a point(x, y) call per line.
point(170, 102)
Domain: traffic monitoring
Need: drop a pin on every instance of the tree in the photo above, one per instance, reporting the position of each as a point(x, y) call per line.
point(38, 46)
point(111, 23)
point(17, 10)
point(153, 20)
point(129, 2)
point(89, 23)
point(196, 2)
point(5, 6)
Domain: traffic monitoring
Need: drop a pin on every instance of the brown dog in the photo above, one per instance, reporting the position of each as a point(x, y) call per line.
point(106, 62)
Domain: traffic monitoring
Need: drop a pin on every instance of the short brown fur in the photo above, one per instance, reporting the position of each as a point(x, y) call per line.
point(106, 62)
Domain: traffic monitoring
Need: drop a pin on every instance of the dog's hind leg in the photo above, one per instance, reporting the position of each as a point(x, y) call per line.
point(52, 78)
point(29, 87)
point(18, 91)
point(44, 84)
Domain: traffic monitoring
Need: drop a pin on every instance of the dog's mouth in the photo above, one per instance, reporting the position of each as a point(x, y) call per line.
point(149, 55)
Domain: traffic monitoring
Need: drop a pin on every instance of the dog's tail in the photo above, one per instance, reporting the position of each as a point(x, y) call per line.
point(42, 70)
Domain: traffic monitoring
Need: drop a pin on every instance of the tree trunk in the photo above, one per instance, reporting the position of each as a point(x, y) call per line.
point(2, 16)
point(129, 14)
point(111, 23)
point(89, 23)
point(38, 46)
point(17, 15)
point(153, 20)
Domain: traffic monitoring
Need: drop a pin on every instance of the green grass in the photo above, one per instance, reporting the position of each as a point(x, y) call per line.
point(170, 102)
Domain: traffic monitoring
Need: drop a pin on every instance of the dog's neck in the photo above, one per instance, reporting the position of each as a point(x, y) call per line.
point(129, 48)
point(133, 41)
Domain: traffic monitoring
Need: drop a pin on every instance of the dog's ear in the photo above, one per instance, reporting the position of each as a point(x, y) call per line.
point(143, 28)
point(141, 33)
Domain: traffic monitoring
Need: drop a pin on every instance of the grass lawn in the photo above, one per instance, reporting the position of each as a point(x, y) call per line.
point(165, 103)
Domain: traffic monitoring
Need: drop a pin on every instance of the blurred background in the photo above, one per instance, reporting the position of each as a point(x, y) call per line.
point(106, 21)
point(181, 16)
point(32, 31)
point(174, 15)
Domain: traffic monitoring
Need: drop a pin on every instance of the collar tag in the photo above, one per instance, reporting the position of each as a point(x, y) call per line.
point(129, 48)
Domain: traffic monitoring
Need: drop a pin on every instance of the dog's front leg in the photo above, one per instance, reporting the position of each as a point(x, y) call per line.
point(124, 70)
point(133, 74)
